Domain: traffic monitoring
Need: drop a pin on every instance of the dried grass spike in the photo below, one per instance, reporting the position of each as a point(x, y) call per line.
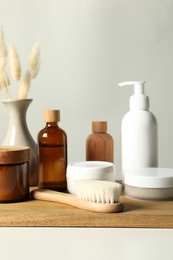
point(4, 80)
point(24, 88)
point(4, 83)
point(3, 49)
point(34, 60)
point(14, 63)
point(2, 62)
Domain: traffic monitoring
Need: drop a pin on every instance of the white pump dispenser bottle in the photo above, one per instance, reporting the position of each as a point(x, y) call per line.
point(138, 132)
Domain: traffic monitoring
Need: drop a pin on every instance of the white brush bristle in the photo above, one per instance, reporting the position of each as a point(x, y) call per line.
point(98, 191)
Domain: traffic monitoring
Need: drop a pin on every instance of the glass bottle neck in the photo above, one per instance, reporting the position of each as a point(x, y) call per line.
point(51, 124)
point(94, 132)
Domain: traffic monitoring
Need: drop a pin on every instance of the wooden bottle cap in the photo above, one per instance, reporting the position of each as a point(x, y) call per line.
point(14, 154)
point(52, 115)
point(99, 126)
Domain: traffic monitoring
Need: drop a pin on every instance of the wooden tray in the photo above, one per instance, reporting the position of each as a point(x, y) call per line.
point(136, 214)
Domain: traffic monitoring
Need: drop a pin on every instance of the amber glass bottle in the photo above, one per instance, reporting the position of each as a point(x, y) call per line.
point(52, 141)
point(99, 144)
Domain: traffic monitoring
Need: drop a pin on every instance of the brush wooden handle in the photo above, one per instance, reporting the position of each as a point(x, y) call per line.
point(55, 196)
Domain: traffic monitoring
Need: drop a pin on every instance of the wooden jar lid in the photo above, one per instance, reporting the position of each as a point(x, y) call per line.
point(14, 154)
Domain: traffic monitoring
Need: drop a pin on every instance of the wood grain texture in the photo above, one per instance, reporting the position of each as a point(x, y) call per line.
point(136, 214)
point(14, 154)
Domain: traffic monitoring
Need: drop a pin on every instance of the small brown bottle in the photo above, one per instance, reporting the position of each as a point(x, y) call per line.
point(99, 144)
point(52, 141)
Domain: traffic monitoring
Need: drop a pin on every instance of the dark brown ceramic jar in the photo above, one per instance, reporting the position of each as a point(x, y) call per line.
point(14, 173)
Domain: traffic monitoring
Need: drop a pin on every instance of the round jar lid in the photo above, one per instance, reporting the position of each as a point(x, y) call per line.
point(149, 177)
point(91, 169)
point(14, 154)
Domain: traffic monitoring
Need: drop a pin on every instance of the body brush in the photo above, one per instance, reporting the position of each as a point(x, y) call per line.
point(93, 195)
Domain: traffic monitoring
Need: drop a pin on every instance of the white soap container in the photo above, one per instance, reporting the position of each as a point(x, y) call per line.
point(139, 133)
point(89, 170)
point(149, 183)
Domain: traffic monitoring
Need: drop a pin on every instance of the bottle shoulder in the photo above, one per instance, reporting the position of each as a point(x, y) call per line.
point(97, 137)
point(139, 112)
point(52, 135)
point(139, 116)
point(52, 130)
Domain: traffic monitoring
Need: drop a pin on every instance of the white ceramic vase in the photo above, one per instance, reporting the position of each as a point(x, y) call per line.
point(19, 135)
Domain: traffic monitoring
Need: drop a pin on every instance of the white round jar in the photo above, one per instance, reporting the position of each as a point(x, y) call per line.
point(149, 183)
point(89, 170)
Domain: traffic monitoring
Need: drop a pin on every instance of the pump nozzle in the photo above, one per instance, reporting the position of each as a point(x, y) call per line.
point(139, 99)
point(138, 86)
point(131, 83)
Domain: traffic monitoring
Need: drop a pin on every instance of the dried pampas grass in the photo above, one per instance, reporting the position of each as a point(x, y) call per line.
point(2, 62)
point(4, 80)
point(4, 83)
point(34, 60)
point(3, 49)
point(25, 86)
point(14, 63)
